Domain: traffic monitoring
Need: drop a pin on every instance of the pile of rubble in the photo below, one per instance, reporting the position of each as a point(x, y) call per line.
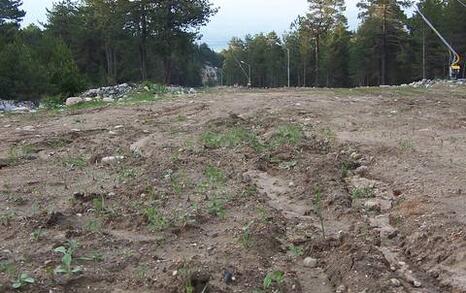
point(15, 106)
point(107, 94)
point(427, 83)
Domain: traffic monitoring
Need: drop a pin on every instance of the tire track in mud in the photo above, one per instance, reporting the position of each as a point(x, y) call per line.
point(399, 275)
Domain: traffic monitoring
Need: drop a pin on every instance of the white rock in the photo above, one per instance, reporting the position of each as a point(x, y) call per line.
point(87, 99)
point(341, 289)
point(112, 159)
point(118, 127)
point(28, 128)
point(417, 284)
point(355, 156)
point(310, 262)
point(108, 100)
point(395, 282)
point(74, 101)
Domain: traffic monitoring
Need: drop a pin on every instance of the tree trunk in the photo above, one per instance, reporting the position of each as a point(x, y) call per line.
point(317, 60)
point(384, 46)
point(142, 45)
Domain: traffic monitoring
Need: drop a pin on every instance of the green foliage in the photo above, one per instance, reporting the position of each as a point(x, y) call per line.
point(362, 192)
point(215, 176)
point(407, 145)
point(7, 268)
point(318, 209)
point(245, 238)
point(72, 162)
point(37, 234)
point(231, 138)
point(155, 219)
point(216, 207)
point(296, 250)
point(22, 280)
point(287, 134)
point(275, 277)
point(21, 152)
point(66, 266)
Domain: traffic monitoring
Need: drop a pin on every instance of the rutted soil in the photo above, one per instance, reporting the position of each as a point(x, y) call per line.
point(238, 191)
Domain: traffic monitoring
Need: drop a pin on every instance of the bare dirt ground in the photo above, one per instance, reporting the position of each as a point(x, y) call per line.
point(357, 190)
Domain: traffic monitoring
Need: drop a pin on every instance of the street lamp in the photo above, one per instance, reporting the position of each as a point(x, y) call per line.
point(249, 76)
point(289, 73)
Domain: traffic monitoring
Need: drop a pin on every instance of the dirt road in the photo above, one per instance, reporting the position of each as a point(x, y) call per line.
point(357, 190)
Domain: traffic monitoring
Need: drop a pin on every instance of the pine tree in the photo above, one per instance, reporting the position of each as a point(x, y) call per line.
point(10, 13)
point(383, 31)
point(322, 16)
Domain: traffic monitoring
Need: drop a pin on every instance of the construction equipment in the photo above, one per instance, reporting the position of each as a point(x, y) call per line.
point(455, 58)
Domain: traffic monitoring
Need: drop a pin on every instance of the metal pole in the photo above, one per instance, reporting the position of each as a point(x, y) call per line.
point(424, 75)
point(250, 72)
point(455, 60)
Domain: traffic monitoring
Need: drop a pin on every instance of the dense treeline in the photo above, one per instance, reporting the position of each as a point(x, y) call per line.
point(387, 48)
point(100, 42)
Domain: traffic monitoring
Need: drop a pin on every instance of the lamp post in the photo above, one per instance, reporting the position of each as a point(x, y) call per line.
point(249, 76)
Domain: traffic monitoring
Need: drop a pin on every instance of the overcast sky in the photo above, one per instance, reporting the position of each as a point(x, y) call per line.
point(236, 18)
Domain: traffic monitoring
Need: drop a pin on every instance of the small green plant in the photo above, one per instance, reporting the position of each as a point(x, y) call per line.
point(318, 209)
point(127, 174)
point(287, 134)
point(99, 204)
point(6, 218)
point(37, 234)
point(186, 273)
point(245, 239)
point(230, 139)
point(155, 219)
point(66, 266)
point(288, 165)
point(94, 256)
point(7, 268)
point(78, 162)
point(345, 169)
point(94, 225)
point(296, 250)
point(263, 215)
point(142, 272)
point(216, 207)
point(328, 134)
point(53, 102)
point(275, 277)
point(215, 176)
point(21, 152)
point(249, 191)
point(22, 280)
point(407, 145)
point(362, 192)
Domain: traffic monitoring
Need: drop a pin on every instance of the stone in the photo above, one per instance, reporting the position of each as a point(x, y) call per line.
point(341, 289)
point(74, 101)
point(112, 159)
point(108, 100)
point(417, 284)
point(395, 282)
point(28, 128)
point(355, 156)
point(310, 262)
point(362, 170)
